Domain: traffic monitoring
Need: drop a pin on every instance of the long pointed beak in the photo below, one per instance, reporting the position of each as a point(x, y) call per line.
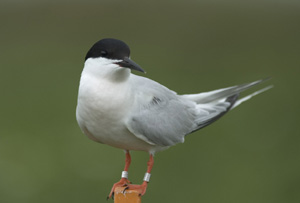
point(128, 63)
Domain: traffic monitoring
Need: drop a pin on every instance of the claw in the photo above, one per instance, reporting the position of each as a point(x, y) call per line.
point(123, 182)
point(112, 196)
point(140, 188)
point(126, 188)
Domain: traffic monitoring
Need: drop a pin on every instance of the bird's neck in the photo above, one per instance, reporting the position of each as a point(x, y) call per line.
point(119, 75)
point(110, 72)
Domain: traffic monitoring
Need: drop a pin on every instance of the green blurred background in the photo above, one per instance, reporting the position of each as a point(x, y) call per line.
point(250, 155)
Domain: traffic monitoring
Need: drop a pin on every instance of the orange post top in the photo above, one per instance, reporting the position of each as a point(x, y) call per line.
point(129, 196)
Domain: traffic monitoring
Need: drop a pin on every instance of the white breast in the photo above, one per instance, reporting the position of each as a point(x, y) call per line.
point(102, 112)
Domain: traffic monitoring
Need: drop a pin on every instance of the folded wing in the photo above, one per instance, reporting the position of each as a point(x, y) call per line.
point(164, 118)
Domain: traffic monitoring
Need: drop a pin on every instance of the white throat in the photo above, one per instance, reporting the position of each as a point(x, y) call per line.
point(103, 68)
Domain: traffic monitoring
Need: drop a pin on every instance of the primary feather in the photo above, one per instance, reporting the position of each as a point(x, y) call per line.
point(165, 118)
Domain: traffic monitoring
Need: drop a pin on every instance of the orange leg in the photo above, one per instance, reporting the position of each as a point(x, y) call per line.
point(142, 188)
point(124, 180)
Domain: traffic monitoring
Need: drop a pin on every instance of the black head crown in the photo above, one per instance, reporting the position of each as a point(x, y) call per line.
point(109, 48)
point(113, 49)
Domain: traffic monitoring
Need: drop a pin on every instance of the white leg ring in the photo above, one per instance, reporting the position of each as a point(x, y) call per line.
point(147, 177)
point(124, 174)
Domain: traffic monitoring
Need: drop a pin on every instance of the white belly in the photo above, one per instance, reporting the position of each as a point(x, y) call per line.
point(102, 114)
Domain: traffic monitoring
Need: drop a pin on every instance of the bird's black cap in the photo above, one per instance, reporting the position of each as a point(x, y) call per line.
point(109, 48)
point(113, 49)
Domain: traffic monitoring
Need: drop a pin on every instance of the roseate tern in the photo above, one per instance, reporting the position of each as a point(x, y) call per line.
point(131, 112)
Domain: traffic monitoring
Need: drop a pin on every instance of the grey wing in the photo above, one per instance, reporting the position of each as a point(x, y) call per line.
point(163, 122)
point(161, 117)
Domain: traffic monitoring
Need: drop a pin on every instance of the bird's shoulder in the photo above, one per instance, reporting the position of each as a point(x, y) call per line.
point(146, 86)
point(160, 116)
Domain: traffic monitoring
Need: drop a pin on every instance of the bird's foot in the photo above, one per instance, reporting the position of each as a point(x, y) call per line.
point(141, 189)
point(124, 182)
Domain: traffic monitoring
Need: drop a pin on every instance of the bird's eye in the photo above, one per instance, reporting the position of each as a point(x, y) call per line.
point(103, 53)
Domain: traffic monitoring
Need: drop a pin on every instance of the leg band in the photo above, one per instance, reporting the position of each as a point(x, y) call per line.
point(147, 177)
point(124, 174)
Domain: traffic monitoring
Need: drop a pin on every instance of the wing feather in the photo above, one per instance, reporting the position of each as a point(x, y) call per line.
point(161, 117)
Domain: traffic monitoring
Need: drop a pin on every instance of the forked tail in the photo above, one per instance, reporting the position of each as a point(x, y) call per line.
point(214, 104)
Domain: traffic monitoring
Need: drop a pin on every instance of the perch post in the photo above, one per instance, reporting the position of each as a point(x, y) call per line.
point(129, 196)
